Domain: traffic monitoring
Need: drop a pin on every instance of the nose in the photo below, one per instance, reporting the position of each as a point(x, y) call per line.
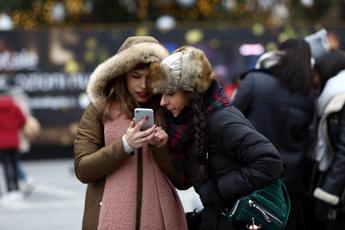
point(163, 101)
point(144, 82)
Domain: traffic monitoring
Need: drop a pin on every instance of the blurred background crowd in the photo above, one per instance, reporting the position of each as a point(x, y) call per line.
point(48, 48)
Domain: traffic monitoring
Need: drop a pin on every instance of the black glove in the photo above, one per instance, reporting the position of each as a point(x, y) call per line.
point(210, 196)
point(324, 211)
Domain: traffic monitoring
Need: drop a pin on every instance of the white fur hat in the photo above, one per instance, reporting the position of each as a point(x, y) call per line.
point(186, 69)
point(318, 43)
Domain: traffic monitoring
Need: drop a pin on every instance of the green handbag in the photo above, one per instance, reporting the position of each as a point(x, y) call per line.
point(267, 208)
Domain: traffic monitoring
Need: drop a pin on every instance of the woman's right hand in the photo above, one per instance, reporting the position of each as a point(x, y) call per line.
point(137, 138)
point(160, 138)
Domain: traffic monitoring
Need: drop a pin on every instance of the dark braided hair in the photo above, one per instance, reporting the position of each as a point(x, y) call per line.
point(199, 121)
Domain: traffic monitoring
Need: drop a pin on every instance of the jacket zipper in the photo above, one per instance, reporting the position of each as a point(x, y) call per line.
point(267, 215)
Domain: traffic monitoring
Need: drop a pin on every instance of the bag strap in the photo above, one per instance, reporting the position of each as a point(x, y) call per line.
point(139, 188)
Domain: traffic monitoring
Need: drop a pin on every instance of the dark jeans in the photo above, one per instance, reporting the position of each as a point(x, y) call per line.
point(10, 164)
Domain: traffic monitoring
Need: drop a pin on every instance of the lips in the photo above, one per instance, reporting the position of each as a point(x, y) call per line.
point(142, 94)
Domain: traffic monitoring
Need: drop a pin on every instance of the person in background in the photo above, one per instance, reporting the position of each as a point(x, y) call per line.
point(329, 192)
point(278, 99)
point(29, 132)
point(213, 146)
point(127, 170)
point(12, 120)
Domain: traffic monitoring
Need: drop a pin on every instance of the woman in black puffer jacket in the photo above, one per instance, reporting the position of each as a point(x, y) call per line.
point(329, 193)
point(279, 100)
point(214, 147)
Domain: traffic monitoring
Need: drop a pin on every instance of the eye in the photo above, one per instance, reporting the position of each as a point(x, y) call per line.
point(135, 75)
point(170, 94)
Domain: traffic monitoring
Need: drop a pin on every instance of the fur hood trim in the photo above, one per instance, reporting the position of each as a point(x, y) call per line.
point(186, 69)
point(135, 50)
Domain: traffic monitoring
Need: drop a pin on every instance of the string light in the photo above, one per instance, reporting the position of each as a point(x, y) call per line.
point(239, 11)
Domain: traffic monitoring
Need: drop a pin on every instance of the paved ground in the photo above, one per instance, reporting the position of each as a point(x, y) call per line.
point(58, 199)
point(56, 202)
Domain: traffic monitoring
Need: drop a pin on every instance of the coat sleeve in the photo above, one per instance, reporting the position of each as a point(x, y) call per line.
point(260, 162)
point(92, 159)
point(335, 179)
point(243, 94)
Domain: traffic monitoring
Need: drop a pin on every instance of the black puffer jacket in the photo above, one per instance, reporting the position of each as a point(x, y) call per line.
point(280, 116)
point(241, 160)
point(334, 182)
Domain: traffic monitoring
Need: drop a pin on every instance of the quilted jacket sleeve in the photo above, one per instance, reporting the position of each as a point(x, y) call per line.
point(260, 162)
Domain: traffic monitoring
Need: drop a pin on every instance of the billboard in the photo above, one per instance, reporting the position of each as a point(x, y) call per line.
point(53, 66)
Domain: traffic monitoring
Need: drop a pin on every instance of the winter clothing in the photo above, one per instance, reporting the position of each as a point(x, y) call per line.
point(238, 155)
point(187, 69)
point(100, 159)
point(318, 43)
point(161, 207)
point(280, 116)
point(283, 118)
point(238, 160)
point(32, 126)
point(330, 151)
point(268, 60)
point(181, 132)
point(135, 50)
point(12, 120)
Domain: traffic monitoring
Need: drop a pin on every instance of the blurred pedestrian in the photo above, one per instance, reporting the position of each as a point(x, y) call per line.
point(12, 120)
point(330, 148)
point(120, 163)
point(28, 133)
point(278, 99)
point(214, 147)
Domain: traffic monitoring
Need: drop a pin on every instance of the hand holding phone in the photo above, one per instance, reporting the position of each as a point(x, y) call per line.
point(141, 130)
point(141, 113)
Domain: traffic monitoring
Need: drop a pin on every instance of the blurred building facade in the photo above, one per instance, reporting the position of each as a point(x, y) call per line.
point(49, 48)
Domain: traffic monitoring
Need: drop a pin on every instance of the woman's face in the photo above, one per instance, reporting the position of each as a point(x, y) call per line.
point(174, 102)
point(137, 84)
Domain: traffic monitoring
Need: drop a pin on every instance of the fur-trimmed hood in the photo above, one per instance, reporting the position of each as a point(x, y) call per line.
point(135, 50)
point(186, 69)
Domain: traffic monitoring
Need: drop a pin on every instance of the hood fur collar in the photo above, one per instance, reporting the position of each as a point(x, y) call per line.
point(135, 50)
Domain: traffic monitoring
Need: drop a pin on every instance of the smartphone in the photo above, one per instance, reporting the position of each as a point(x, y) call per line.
point(140, 113)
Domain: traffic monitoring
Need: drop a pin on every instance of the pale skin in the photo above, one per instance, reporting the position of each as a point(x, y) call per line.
point(175, 101)
point(137, 85)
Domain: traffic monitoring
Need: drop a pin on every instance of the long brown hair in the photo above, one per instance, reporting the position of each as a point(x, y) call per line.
point(199, 121)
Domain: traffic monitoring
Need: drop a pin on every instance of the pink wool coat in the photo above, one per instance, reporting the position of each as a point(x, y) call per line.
point(161, 207)
point(94, 161)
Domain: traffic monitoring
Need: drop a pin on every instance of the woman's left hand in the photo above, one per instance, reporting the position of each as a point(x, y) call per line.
point(160, 138)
